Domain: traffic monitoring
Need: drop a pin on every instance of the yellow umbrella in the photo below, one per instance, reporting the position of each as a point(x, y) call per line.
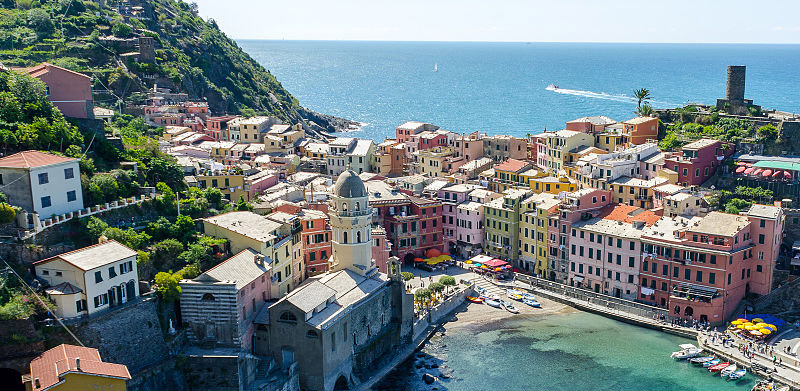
point(758, 320)
point(762, 324)
point(755, 332)
point(771, 326)
point(736, 322)
point(468, 262)
point(750, 327)
point(741, 326)
point(765, 331)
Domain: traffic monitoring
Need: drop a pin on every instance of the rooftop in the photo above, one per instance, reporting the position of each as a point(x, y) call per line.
point(669, 188)
point(639, 120)
point(242, 269)
point(594, 120)
point(720, 224)
point(702, 143)
point(512, 165)
point(94, 256)
point(764, 211)
point(51, 365)
point(247, 224)
point(32, 158)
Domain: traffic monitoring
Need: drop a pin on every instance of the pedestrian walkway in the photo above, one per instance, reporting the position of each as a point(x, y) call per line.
point(787, 373)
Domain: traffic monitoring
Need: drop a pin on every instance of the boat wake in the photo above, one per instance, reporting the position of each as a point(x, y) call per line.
point(612, 97)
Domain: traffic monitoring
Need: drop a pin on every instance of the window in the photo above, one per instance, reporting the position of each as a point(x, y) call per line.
point(45, 272)
point(312, 334)
point(207, 297)
point(101, 300)
point(69, 173)
point(699, 276)
point(71, 196)
point(288, 317)
point(98, 277)
point(712, 278)
point(112, 272)
point(46, 202)
point(333, 342)
point(762, 223)
point(43, 179)
point(760, 238)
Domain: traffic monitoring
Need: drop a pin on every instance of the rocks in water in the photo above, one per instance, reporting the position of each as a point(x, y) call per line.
point(427, 366)
point(434, 365)
point(428, 378)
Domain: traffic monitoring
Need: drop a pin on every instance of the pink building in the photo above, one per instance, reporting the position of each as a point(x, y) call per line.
point(429, 140)
point(411, 128)
point(605, 250)
point(698, 161)
point(574, 207)
point(541, 151)
point(451, 197)
point(469, 222)
point(259, 182)
point(216, 126)
point(70, 92)
point(701, 268)
point(381, 249)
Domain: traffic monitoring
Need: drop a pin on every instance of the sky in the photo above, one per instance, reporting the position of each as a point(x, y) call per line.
point(658, 21)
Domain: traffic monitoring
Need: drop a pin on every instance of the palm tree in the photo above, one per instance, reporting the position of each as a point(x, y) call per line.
point(645, 111)
point(642, 95)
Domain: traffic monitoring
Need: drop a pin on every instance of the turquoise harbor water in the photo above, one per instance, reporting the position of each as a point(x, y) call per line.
point(569, 352)
point(500, 87)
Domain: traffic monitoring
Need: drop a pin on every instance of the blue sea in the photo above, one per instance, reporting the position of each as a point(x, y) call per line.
point(499, 88)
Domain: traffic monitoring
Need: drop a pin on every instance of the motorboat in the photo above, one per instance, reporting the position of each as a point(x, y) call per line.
point(718, 367)
point(474, 299)
point(510, 292)
point(738, 374)
point(728, 370)
point(515, 297)
point(700, 360)
point(490, 296)
point(529, 296)
point(711, 363)
point(492, 303)
point(687, 351)
point(552, 87)
point(764, 385)
point(532, 303)
point(481, 290)
point(509, 306)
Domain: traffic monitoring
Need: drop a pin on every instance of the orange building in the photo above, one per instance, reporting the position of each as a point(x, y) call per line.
point(638, 130)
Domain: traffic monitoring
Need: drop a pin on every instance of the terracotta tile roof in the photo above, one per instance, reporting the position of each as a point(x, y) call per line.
point(31, 158)
point(628, 214)
point(44, 68)
point(51, 365)
point(512, 165)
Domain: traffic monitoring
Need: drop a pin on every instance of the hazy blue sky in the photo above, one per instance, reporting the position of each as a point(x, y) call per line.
point(767, 21)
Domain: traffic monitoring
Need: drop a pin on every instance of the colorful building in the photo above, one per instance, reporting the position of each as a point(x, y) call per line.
point(639, 130)
point(70, 92)
point(698, 161)
point(316, 239)
point(501, 225)
point(69, 367)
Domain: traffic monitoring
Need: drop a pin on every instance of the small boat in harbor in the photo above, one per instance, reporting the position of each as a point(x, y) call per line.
point(509, 306)
point(718, 367)
point(532, 303)
point(552, 87)
point(529, 296)
point(764, 385)
point(481, 290)
point(738, 374)
point(490, 296)
point(492, 303)
point(728, 370)
point(510, 292)
point(515, 297)
point(711, 363)
point(700, 360)
point(687, 351)
point(474, 299)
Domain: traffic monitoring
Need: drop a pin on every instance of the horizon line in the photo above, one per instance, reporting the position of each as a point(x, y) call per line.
point(525, 42)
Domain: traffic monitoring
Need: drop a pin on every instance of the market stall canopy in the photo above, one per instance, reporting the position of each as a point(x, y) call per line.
point(495, 263)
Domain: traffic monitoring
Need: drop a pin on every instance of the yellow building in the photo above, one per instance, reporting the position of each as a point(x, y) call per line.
point(249, 130)
point(75, 368)
point(271, 238)
point(634, 191)
point(544, 211)
point(610, 139)
point(221, 150)
point(560, 143)
point(171, 132)
point(431, 161)
point(232, 185)
point(553, 185)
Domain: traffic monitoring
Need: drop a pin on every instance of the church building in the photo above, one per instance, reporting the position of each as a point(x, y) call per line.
point(337, 324)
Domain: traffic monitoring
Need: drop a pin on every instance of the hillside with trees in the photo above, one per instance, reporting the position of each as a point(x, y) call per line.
point(192, 55)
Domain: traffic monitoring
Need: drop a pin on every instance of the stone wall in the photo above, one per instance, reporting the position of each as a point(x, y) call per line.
point(212, 373)
point(162, 376)
point(130, 335)
point(19, 344)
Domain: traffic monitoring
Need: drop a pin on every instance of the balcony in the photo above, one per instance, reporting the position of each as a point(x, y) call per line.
point(644, 198)
point(352, 213)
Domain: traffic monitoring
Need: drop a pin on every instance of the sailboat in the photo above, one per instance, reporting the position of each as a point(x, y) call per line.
point(436, 67)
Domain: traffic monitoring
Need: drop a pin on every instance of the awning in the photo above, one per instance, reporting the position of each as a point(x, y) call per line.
point(578, 278)
point(647, 291)
point(778, 164)
point(495, 263)
point(696, 290)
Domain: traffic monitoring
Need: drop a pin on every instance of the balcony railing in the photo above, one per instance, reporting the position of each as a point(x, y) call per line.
point(352, 213)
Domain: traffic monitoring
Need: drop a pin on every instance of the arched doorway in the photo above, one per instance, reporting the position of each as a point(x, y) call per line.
point(688, 311)
point(341, 383)
point(408, 259)
point(130, 290)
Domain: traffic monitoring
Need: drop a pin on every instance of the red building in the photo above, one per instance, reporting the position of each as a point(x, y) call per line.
point(701, 268)
point(70, 92)
point(698, 161)
point(215, 126)
point(411, 128)
point(316, 238)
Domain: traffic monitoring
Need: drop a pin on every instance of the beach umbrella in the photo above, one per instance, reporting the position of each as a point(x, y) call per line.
point(787, 175)
point(742, 319)
point(741, 326)
point(748, 171)
point(772, 327)
point(751, 327)
point(741, 163)
point(761, 324)
point(766, 173)
point(497, 269)
point(737, 322)
point(432, 253)
point(757, 320)
point(776, 174)
point(758, 171)
point(468, 262)
point(740, 169)
point(755, 332)
point(484, 267)
point(419, 260)
point(765, 331)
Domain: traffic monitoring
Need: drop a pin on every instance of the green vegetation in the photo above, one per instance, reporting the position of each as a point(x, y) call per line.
point(725, 129)
point(167, 286)
point(642, 96)
point(742, 197)
point(16, 302)
point(7, 213)
point(191, 54)
point(447, 281)
point(407, 276)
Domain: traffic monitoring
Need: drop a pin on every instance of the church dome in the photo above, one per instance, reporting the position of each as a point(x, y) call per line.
point(349, 185)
